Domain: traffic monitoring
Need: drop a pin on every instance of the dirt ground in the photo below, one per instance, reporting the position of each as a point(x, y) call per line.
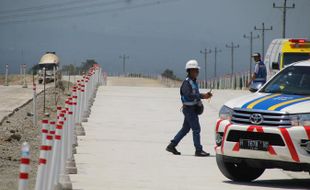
point(15, 79)
point(19, 128)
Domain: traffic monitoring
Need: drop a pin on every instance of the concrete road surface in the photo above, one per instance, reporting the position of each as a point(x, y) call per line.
point(13, 97)
point(126, 137)
point(142, 82)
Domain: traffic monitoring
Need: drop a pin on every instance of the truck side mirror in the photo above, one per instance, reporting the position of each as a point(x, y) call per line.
point(275, 66)
point(255, 86)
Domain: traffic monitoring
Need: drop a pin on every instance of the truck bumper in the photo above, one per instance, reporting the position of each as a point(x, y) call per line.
point(267, 164)
point(286, 145)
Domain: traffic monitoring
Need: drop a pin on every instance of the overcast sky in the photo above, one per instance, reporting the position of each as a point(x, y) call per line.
point(155, 35)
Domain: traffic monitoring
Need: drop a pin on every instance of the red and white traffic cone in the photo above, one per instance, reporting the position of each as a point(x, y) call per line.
point(24, 167)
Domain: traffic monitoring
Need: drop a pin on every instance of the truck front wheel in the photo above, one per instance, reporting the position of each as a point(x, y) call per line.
point(238, 171)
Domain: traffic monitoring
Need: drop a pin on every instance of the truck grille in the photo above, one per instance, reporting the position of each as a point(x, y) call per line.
point(270, 118)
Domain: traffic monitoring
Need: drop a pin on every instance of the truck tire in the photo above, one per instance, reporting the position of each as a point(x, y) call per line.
point(238, 171)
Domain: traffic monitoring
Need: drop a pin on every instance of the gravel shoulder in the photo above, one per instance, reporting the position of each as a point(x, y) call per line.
point(18, 128)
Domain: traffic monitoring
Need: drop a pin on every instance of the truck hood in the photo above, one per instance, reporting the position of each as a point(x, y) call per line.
point(292, 104)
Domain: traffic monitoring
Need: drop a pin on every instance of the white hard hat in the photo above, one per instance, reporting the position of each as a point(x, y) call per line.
point(192, 64)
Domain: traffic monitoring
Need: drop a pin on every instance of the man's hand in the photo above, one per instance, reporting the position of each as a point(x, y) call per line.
point(207, 95)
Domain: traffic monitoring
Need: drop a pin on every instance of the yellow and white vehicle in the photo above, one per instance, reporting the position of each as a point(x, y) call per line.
point(283, 52)
point(267, 129)
point(50, 63)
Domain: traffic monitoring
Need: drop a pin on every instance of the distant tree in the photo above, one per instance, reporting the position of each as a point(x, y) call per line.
point(169, 74)
point(75, 70)
point(72, 69)
point(87, 65)
point(34, 69)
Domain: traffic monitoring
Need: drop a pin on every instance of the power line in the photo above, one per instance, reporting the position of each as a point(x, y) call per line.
point(205, 52)
point(284, 7)
point(45, 6)
point(251, 38)
point(61, 9)
point(216, 51)
point(88, 13)
point(263, 29)
point(232, 47)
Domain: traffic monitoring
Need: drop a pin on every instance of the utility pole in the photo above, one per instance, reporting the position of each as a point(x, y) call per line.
point(263, 29)
point(232, 48)
point(216, 51)
point(205, 52)
point(6, 83)
point(284, 7)
point(251, 38)
point(124, 58)
point(24, 73)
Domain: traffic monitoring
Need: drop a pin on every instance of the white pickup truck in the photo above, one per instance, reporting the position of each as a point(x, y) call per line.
point(267, 129)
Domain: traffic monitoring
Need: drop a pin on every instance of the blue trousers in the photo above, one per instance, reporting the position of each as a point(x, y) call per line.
point(191, 121)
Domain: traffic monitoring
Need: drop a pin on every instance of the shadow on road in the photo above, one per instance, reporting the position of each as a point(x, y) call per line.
point(192, 155)
point(277, 184)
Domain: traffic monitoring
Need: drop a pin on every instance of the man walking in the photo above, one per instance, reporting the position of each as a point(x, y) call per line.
point(192, 107)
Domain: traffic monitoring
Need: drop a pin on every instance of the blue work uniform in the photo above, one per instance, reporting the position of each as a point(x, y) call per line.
point(190, 97)
point(260, 73)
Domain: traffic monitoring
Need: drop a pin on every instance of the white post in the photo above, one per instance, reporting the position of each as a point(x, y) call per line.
point(64, 179)
point(74, 117)
point(24, 81)
point(44, 73)
point(21, 74)
point(43, 157)
point(55, 162)
point(49, 147)
point(54, 73)
point(34, 105)
point(70, 163)
point(24, 167)
point(6, 83)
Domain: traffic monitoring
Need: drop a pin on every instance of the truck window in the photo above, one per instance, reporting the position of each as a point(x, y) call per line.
point(289, 58)
point(293, 80)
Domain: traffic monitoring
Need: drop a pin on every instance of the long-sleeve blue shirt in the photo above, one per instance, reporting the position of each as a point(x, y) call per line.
point(187, 91)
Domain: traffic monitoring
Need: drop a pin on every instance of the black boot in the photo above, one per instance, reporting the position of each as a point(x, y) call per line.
point(201, 153)
point(171, 148)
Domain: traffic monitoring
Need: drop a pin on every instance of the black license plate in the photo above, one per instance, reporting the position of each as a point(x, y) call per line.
point(254, 144)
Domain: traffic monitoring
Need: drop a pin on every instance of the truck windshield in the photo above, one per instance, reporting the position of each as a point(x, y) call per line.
point(289, 58)
point(47, 66)
point(292, 80)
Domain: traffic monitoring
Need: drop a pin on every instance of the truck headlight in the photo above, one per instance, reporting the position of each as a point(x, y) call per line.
point(225, 113)
point(300, 120)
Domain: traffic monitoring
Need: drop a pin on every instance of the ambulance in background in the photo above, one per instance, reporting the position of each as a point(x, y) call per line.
point(283, 52)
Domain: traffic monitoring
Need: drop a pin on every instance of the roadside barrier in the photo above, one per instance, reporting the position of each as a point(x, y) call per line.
point(24, 167)
point(237, 81)
point(59, 137)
